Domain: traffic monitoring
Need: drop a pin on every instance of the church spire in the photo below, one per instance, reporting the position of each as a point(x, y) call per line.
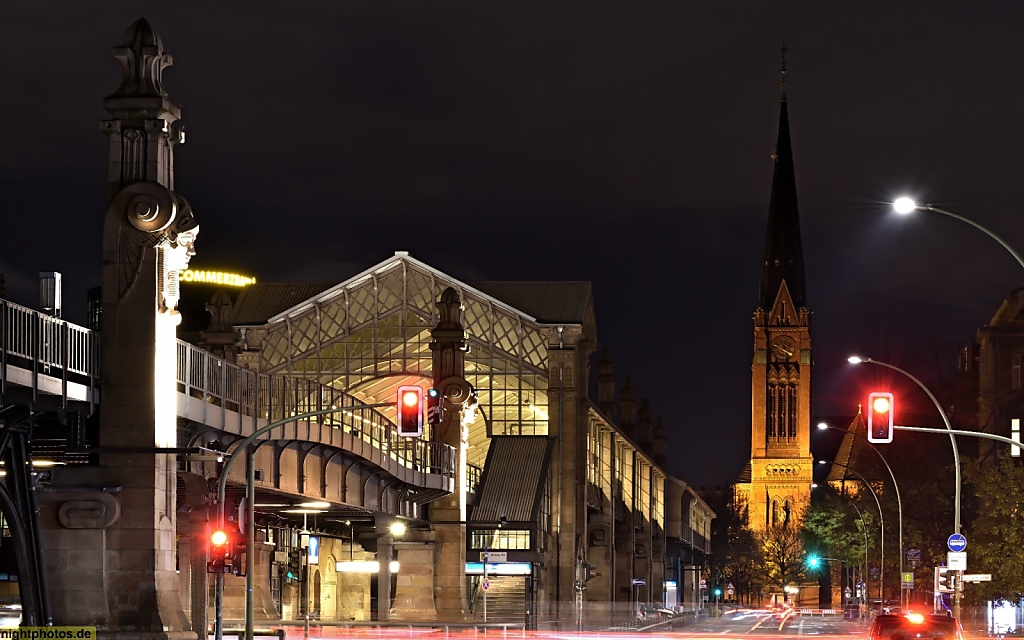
point(783, 253)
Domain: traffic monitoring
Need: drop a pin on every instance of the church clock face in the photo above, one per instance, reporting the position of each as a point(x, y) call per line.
point(784, 348)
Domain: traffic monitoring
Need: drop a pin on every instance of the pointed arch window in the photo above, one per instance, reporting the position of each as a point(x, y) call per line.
point(782, 404)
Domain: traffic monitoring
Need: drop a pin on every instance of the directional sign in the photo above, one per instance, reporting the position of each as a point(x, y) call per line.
point(977, 577)
point(638, 581)
point(494, 556)
point(957, 542)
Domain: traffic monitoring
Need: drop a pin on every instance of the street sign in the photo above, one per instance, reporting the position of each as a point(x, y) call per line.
point(956, 542)
point(977, 577)
point(907, 579)
point(638, 581)
point(957, 560)
point(703, 583)
point(494, 556)
point(485, 584)
point(913, 554)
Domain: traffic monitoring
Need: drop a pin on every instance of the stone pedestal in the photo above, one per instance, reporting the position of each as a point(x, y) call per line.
point(414, 596)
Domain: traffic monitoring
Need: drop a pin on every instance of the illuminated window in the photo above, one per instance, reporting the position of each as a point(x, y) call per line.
point(500, 539)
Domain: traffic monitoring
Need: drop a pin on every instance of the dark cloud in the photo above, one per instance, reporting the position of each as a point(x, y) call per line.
point(627, 145)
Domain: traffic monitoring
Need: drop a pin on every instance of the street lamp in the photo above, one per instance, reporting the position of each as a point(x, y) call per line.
point(904, 206)
point(945, 419)
point(899, 503)
point(881, 522)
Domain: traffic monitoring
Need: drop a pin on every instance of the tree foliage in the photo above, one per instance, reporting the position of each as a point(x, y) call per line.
point(996, 534)
point(783, 550)
point(737, 557)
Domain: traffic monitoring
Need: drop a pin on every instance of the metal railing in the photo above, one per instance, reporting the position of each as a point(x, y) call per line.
point(46, 346)
point(236, 399)
point(50, 355)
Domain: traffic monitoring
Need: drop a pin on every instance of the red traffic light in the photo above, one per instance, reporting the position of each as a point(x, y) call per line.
point(220, 544)
point(880, 422)
point(410, 411)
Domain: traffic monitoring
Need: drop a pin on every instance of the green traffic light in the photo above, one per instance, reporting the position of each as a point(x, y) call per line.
point(718, 592)
point(813, 561)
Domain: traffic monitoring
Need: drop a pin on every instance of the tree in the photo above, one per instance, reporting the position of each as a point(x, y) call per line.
point(997, 532)
point(783, 550)
point(737, 558)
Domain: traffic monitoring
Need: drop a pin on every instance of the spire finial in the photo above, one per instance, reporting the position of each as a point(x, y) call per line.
point(782, 83)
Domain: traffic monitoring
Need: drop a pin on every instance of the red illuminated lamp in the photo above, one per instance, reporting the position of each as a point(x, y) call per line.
point(880, 422)
point(410, 411)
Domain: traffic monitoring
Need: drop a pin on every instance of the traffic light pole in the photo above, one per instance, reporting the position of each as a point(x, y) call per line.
point(250, 542)
point(958, 578)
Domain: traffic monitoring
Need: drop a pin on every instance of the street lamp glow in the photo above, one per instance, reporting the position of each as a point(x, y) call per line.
point(823, 425)
point(904, 205)
point(397, 528)
point(855, 360)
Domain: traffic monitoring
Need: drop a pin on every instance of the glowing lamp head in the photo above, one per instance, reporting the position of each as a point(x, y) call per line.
point(410, 399)
point(880, 417)
point(397, 529)
point(904, 205)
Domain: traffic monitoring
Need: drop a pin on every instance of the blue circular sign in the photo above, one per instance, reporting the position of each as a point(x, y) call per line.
point(957, 542)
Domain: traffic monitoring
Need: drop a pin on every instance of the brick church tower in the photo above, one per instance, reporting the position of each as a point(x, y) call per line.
point(776, 485)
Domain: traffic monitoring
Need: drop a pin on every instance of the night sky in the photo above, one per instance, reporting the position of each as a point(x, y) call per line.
point(626, 143)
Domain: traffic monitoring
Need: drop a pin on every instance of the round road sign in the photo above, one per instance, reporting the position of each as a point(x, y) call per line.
point(956, 542)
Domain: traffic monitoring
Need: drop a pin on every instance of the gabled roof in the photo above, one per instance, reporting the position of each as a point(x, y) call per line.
point(562, 302)
point(551, 302)
point(783, 252)
point(512, 484)
point(847, 455)
point(259, 302)
point(854, 457)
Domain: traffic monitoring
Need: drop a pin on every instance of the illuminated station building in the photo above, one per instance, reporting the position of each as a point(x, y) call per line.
point(562, 491)
point(513, 459)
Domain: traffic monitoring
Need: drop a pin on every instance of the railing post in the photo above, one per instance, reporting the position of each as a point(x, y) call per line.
point(66, 357)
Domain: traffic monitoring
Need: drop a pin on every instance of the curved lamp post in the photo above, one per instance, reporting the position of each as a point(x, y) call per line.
point(949, 427)
point(904, 206)
point(945, 420)
point(899, 501)
point(881, 523)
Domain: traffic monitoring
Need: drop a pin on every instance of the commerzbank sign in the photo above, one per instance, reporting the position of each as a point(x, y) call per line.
point(224, 278)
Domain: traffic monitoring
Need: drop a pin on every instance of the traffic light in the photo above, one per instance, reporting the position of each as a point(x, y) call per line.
point(589, 572)
point(880, 408)
point(221, 551)
point(410, 411)
point(945, 580)
point(294, 571)
point(813, 562)
point(434, 405)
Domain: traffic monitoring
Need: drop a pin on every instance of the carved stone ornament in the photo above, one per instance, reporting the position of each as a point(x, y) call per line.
point(153, 216)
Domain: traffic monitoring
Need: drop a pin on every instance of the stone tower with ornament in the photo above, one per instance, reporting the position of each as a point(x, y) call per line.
point(776, 485)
